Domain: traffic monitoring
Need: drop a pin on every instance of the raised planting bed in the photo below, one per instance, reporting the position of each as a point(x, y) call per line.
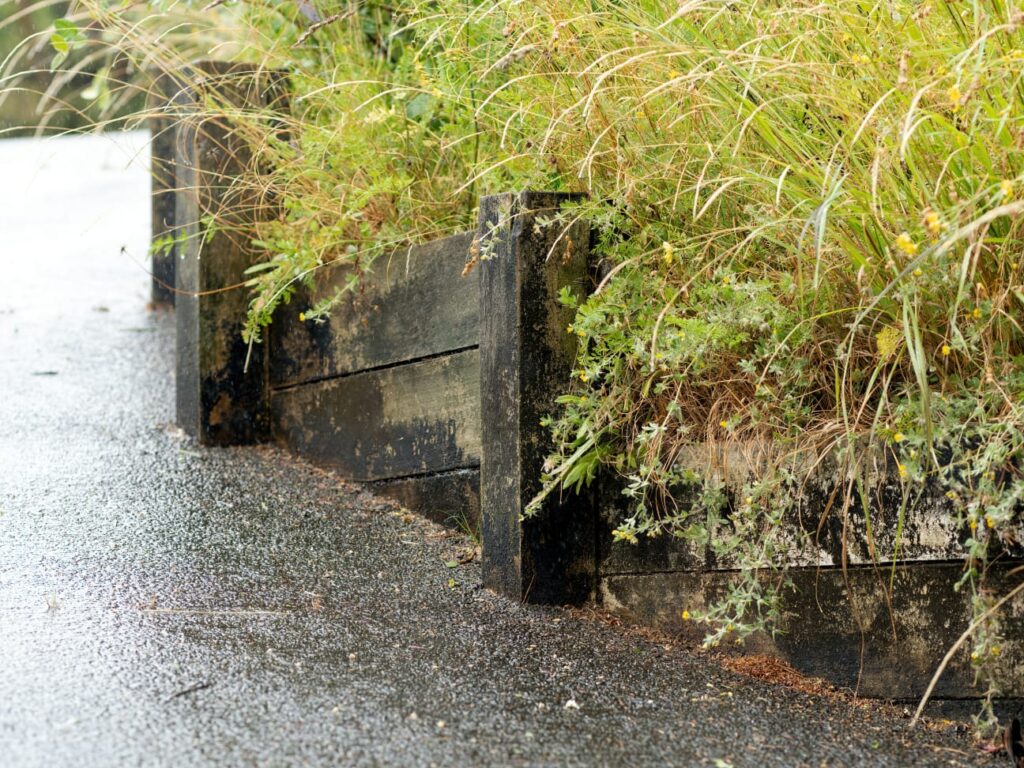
point(430, 384)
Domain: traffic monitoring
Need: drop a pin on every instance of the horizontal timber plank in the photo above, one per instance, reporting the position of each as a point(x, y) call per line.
point(412, 305)
point(833, 623)
point(908, 522)
point(449, 498)
point(395, 422)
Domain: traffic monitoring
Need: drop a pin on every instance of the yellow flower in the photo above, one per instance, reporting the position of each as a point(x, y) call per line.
point(902, 468)
point(897, 437)
point(569, 329)
point(622, 535)
point(996, 650)
point(859, 59)
point(946, 350)
point(673, 74)
point(723, 424)
point(887, 341)
point(685, 615)
point(726, 280)
point(974, 656)
point(905, 244)
point(973, 523)
point(667, 252)
point(954, 96)
point(918, 272)
point(976, 314)
point(951, 495)
point(933, 223)
point(1006, 189)
point(302, 317)
point(584, 376)
point(989, 522)
point(749, 500)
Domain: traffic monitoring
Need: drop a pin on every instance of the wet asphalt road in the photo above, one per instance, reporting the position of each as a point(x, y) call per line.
point(162, 604)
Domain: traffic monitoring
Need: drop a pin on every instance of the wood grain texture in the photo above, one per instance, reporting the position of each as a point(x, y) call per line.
point(838, 627)
point(163, 127)
point(412, 305)
point(406, 420)
point(449, 498)
point(909, 522)
point(219, 401)
point(526, 361)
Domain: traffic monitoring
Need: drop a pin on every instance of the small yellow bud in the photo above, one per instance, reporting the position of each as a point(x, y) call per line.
point(902, 468)
point(302, 317)
point(723, 424)
point(905, 244)
point(897, 437)
point(946, 350)
point(685, 615)
point(726, 280)
point(918, 272)
point(954, 96)
point(976, 314)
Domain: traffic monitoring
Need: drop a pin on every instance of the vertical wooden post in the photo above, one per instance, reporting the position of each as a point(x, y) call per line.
point(526, 360)
point(163, 128)
point(220, 399)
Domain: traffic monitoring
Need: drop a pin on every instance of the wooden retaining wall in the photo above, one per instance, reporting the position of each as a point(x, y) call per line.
point(429, 385)
point(397, 368)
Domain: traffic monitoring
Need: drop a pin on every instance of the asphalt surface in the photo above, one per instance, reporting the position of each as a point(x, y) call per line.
point(163, 604)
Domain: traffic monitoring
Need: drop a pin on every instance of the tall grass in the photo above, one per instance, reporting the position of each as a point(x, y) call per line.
point(808, 212)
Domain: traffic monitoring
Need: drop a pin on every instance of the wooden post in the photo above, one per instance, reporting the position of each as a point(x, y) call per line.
point(526, 360)
point(220, 399)
point(163, 125)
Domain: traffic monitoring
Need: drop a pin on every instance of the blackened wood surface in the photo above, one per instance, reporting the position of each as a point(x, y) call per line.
point(168, 99)
point(163, 130)
point(449, 498)
point(834, 623)
point(526, 359)
point(406, 420)
point(414, 304)
point(910, 521)
point(219, 401)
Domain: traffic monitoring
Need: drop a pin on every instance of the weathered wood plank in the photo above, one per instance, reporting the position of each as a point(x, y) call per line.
point(394, 422)
point(412, 305)
point(910, 521)
point(834, 623)
point(526, 361)
point(449, 498)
